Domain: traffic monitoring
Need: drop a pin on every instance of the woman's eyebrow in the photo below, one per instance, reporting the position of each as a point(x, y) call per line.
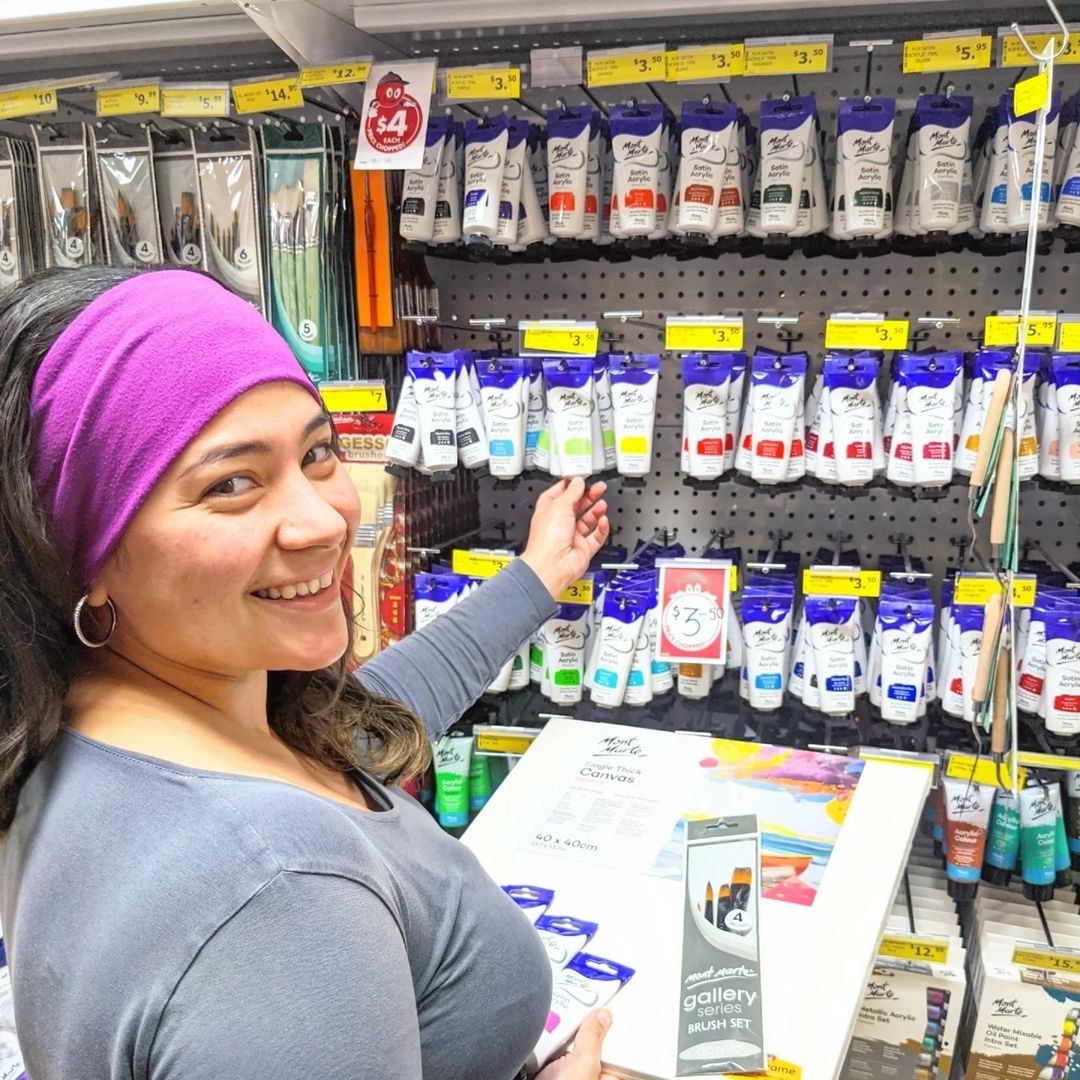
point(253, 446)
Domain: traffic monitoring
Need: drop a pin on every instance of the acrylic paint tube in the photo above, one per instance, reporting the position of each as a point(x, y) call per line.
point(1062, 859)
point(993, 217)
point(531, 228)
point(624, 613)
point(1031, 676)
point(904, 632)
point(753, 206)
point(607, 167)
point(434, 377)
point(568, 132)
point(766, 633)
point(965, 638)
point(1067, 210)
point(485, 158)
point(639, 681)
point(813, 431)
point(929, 394)
point(661, 673)
point(796, 469)
point(904, 223)
point(967, 822)
point(864, 162)
point(1003, 842)
point(433, 595)
point(403, 446)
point(1020, 145)
point(504, 413)
point(453, 757)
point(419, 193)
point(942, 129)
point(1062, 690)
point(1072, 815)
point(838, 205)
point(965, 213)
point(736, 383)
point(1047, 422)
point(1065, 369)
point(695, 681)
point(446, 228)
point(802, 659)
point(603, 425)
point(804, 217)
point(1067, 122)
point(569, 409)
point(594, 180)
point(1038, 821)
point(634, 383)
point(636, 133)
point(708, 142)
point(501, 683)
point(706, 383)
point(586, 983)
point(564, 652)
point(536, 412)
point(469, 424)
point(819, 196)
point(1025, 427)
point(776, 389)
point(831, 641)
point(510, 186)
point(479, 782)
point(849, 384)
point(981, 153)
point(520, 671)
point(563, 938)
point(787, 127)
point(531, 899)
point(948, 586)
point(988, 362)
point(665, 182)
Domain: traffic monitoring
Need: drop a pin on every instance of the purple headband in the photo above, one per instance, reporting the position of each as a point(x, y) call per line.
point(124, 389)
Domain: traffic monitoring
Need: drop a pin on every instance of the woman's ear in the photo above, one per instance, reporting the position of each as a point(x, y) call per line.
point(97, 595)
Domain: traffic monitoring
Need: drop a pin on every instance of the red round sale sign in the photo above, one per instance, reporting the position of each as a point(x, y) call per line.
point(394, 119)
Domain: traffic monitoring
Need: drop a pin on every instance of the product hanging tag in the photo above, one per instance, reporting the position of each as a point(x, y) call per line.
point(720, 1007)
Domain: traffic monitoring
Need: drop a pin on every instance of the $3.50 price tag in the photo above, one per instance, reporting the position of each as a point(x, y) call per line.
point(551, 339)
point(778, 58)
point(620, 68)
point(694, 601)
point(841, 582)
point(481, 84)
point(692, 335)
point(705, 62)
point(886, 334)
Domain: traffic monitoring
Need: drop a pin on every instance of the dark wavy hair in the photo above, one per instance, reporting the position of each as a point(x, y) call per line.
point(325, 714)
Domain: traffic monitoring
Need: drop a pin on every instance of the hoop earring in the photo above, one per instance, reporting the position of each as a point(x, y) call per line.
point(77, 620)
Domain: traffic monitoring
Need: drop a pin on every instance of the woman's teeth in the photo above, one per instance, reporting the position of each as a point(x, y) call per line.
point(298, 588)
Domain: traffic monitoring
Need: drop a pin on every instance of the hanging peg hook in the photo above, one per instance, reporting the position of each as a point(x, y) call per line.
point(1046, 55)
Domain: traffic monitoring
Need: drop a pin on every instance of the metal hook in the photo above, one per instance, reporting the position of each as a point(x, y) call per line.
point(1046, 55)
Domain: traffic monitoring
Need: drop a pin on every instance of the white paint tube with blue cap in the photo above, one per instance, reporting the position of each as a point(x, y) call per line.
point(904, 631)
point(849, 382)
point(1047, 421)
point(1067, 210)
point(634, 382)
point(485, 158)
point(564, 638)
point(766, 642)
point(1021, 151)
point(776, 387)
point(502, 398)
point(1065, 369)
point(603, 420)
point(403, 446)
point(736, 385)
point(662, 673)
point(1062, 692)
point(706, 385)
point(594, 180)
point(624, 612)
point(993, 215)
point(665, 181)
point(708, 143)
point(532, 226)
point(536, 417)
point(446, 228)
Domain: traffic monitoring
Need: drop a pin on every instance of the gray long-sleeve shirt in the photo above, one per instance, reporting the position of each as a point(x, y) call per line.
point(168, 923)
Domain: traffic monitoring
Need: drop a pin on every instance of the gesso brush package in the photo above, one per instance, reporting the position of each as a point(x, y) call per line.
point(129, 207)
point(177, 181)
point(20, 232)
point(720, 1013)
point(66, 190)
point(229, 200)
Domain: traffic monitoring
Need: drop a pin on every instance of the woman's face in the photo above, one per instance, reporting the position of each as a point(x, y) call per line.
point(234, 563)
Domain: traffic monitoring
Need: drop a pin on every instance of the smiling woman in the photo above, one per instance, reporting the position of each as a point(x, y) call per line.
point(190, 776)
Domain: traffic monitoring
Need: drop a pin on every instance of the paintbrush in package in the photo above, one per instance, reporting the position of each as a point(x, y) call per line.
point(19, 232)
point(177, 180)
point(125, 173)
point(229, 200)
point(66, 189)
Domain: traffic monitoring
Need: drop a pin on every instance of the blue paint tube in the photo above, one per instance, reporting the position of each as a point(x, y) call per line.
point(1038, 822)
point(766, 637)
point(1003, 843)
point(624, 612)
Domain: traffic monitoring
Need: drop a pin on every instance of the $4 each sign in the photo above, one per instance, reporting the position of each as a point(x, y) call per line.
point(694, 599)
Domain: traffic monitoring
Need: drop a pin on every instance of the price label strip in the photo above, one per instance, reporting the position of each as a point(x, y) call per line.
point(1003, 329)
point(128, 100)
point(902, 947)
point(194, 101)
point(705, 334)
point(282, 93)
point(1013, 54)
point(503, 740)
point(339, 74)
point(982, 771)
point(31, 101)
point(841, 581)
point(553, 339)
point(705, 62)
point(1069, 336)
point(355, 397)
point(482, 84)
point(486, 564)
point(621, 68)
point(886, 334)
point(947, 54)
point(1038, 956)
point(976, 589)
point(780, 58)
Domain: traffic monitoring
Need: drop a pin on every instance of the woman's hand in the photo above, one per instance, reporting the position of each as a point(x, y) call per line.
point(583, 1062)
point(569, 526)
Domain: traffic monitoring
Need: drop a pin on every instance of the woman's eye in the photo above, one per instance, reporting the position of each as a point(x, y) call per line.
point(319, 454)
point(234, 485)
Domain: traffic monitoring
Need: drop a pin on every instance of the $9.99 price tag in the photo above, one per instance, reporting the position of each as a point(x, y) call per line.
point(694, 599)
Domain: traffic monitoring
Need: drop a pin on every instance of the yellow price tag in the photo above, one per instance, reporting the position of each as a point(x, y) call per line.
point(983, 771)
point(1013, 54)
point(479, 84)
point(779, 1069)
point(1062, 960)
point(578, 592)
point(946, 54)
point(502, 742)
point(734, 578)
point(33, 101)
point(194, 101)
point(841, 582)
point(344, 71)
point(686, 336)
point(901, 947)
point(1069, 336)
point(128, 100)
point(478, 564)
point(801, 58)
point(926, 762)
point(976, 591)
point(1048, 761)
point(866, 334)
point(252, 97)
point(1030, 95)
point(617, 69)
point(1002, 329)
point(705, 62)
point(561, 341)
point(369, 397)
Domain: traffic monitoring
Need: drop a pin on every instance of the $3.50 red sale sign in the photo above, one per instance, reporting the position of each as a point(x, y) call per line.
point(694, 600)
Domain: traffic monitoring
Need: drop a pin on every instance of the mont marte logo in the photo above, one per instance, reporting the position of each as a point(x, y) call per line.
point(1007, 1007)
point(943, 139)
point(395, 117)
point(879, 991)
point(866, 145)
point(620, 746)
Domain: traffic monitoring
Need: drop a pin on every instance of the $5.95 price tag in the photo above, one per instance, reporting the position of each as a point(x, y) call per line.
point(946, 54)
point(694, 600)
point(1004, 329)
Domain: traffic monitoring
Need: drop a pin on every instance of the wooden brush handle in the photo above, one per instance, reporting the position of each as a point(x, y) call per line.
point(1001, 693)
point(999, 517)
point(991, 622)
point(999, 396)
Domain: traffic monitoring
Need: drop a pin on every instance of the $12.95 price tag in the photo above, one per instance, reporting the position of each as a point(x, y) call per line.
point(694, 600)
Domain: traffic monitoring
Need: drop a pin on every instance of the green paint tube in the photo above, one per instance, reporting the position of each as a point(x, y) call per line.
point(453, 756)
point(479, 782)
point(1038, 819)
point(1062, 858)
